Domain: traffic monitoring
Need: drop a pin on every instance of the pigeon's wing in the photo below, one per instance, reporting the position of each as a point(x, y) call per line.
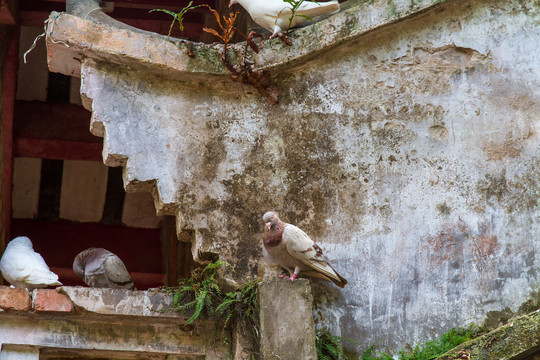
point(302, 248)
point(40, 272)
point(16, 265)
point(117, 273)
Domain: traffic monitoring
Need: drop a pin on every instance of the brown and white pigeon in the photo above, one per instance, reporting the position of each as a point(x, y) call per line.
point(22, 267)
point(100, 268)
point(294, 250)
point(274, 15)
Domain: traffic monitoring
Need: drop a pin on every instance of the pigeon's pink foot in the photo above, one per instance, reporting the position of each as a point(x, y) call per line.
point(289, 278)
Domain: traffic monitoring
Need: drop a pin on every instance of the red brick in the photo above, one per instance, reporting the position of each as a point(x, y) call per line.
point(14, 299)
point(50, 300)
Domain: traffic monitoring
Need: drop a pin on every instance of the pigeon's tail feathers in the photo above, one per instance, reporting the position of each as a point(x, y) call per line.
point(340, 281)
point(43, 278)
point(313, 10)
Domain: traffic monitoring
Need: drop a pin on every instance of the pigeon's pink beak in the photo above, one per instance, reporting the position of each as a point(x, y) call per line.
point(268, 225)
point(230, 3)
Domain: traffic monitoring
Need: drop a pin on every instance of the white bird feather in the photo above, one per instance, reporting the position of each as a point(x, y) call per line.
point(274, 15)
point(22, 267)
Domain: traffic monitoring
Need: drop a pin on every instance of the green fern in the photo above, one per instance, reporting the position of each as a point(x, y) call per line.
point(201, 295)
point(329, 346)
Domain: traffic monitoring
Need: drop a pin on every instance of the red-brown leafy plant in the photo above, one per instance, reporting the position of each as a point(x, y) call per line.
point(246, 74)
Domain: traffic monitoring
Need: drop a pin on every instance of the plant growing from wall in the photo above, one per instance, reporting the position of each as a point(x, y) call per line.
point(201, 295)
point(328, 346)
point(435, 348)
point(431, 349)
point(244, 73)
point(295, 5)
point(379, 355)
point(179, 16)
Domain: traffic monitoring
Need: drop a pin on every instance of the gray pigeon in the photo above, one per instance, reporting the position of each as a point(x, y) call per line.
point(100, 268)
point(294, 250)
point(22, 267)
point(274, 15)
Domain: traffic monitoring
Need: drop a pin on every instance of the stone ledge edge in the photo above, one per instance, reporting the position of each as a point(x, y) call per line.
point(70, 39)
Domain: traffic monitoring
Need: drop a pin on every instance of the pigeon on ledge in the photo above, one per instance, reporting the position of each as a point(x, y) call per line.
point(22, 267)
point(274, 15)
point(100, 268)
point(294, 250)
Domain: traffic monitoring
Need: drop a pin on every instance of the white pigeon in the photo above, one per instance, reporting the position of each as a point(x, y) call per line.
point(100, 268)
point(274, 15)
point(22, 267)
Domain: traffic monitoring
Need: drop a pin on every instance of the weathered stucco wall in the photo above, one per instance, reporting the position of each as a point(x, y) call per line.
point(410, 153)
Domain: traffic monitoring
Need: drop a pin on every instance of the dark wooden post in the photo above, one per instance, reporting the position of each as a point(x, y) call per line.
point(9, 43)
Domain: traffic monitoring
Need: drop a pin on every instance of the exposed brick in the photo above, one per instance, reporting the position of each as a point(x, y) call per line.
point(50, 300)
point(14, 299)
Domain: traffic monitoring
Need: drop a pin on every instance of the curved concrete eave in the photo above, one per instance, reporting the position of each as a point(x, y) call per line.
point(71, 38)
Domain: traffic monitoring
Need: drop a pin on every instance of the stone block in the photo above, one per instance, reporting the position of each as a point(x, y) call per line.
point(14, 299)
point(50, 300)
point(287, 326)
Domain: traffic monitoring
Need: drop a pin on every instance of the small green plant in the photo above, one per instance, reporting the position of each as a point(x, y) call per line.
point(368, 355)
point(329, 346)
point(434, 348)
point(295, 5)
point(202, 295)
point(239, 308)
point(179, 16)
point(199, 293)
point(429, 350)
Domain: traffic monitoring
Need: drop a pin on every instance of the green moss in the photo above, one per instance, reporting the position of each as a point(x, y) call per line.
point(391, 10)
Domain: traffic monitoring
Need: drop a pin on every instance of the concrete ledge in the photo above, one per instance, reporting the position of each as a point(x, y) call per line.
point(70, 38)
point(120, 301)
point(106, 322)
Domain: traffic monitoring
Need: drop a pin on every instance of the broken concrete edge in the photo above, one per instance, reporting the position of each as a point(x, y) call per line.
point(71, 38)
point(509, 341)
point(78, 299)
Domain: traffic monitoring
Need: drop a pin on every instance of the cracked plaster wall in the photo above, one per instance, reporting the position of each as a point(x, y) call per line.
point(410, 155)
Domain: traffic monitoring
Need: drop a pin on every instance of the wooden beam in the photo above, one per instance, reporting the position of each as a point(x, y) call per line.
point(53, 121)
point(8, 12)
point(57, 149)
point(10, 59)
